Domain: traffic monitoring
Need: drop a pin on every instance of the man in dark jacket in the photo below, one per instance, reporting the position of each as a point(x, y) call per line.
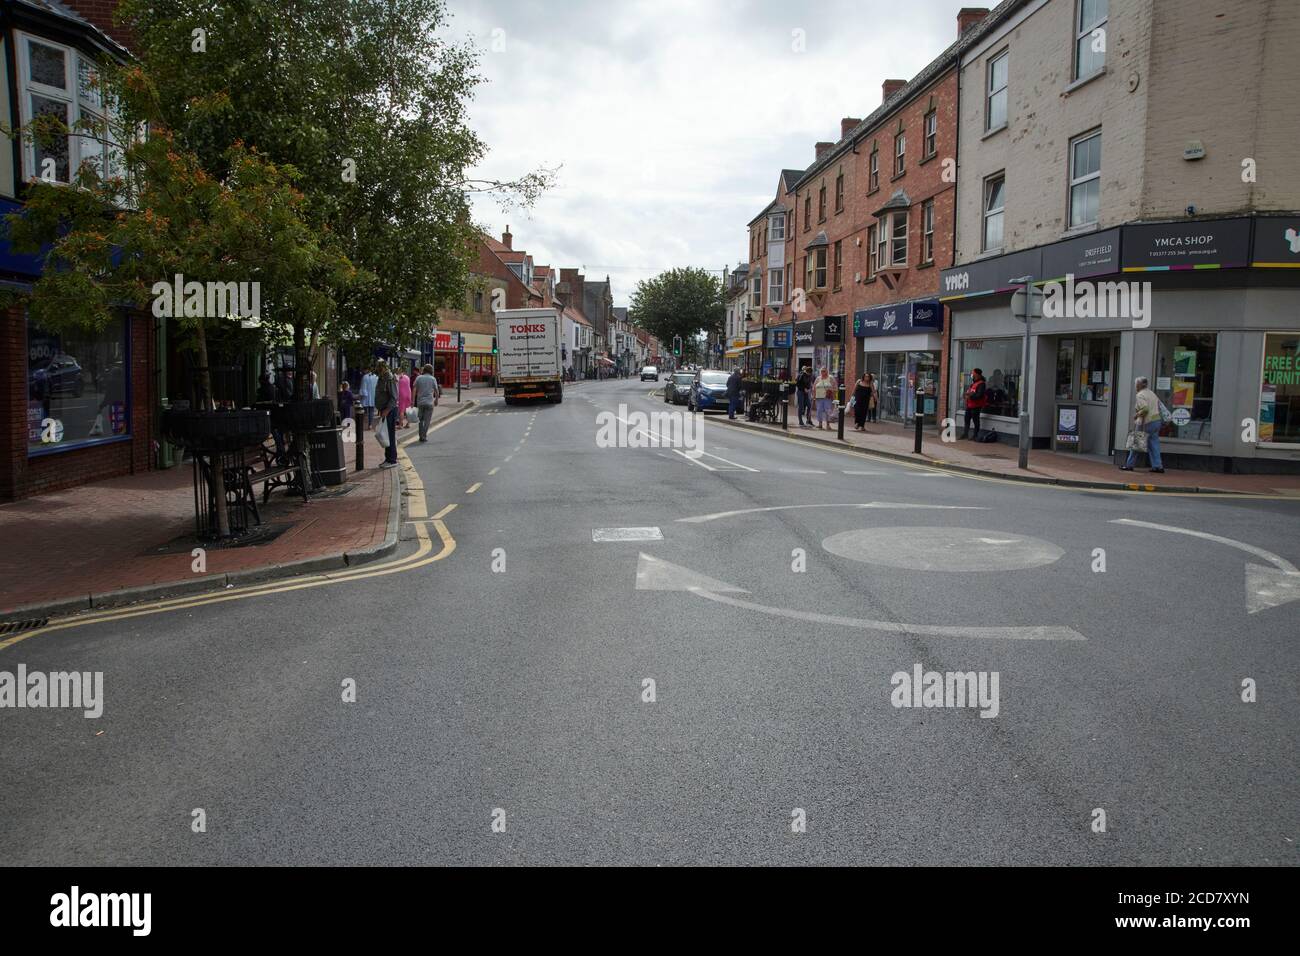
point(803, 395)
point(734, 381)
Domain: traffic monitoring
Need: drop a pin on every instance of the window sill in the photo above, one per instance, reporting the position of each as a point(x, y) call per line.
point(993, 132)
point(897, 176)
point(1075, 231)
point(990, 253)
point(869, 279)
point(1083, 81)
point(925, 159)
point(926, 265)
point(872, 192)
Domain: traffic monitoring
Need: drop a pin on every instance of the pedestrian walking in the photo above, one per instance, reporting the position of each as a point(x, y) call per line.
point(824, 391)
point(873, 406)
point(386, 408)
point(426, 396)
point(1149, 415)
point(803, 396)
point(977, 398)
point(284, 386)
point(861, 402)
point(734, 382)
point(265, 390)
point(346, 399)
point(403, 399)
point(368, 383)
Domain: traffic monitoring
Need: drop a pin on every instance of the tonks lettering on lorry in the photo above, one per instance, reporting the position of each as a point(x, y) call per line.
point(527, 328)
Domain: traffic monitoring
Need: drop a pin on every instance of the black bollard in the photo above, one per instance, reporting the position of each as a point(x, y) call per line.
point(359, 438)
point(785, 414)
point(920, 417)
point(841, 426)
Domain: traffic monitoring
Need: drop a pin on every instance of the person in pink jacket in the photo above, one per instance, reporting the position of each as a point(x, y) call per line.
point(403, 398)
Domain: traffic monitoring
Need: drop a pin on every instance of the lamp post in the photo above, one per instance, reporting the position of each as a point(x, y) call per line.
point(1027, 284)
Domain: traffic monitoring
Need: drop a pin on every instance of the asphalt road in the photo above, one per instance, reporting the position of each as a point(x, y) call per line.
point(523, 690)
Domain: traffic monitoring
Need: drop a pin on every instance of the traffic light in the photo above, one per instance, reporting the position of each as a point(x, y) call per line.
point(494, 345)
point(677, 345)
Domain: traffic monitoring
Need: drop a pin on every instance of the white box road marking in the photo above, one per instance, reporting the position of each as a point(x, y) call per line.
point(626, 534)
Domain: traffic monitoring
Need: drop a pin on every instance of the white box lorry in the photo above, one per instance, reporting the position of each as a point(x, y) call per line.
point(528, 354)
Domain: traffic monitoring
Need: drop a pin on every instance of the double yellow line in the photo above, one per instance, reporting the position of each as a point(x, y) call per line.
point(417, 509)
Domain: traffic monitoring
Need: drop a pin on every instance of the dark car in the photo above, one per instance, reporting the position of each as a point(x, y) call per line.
point(61, 377)
point(708, 391)
point(678, 389)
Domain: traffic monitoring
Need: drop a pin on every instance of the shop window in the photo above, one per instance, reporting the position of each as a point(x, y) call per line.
point(1185, 382)
point(1094, 370)
point(77, 387)
point(1279, 395)
point(1000, 361)
point(1065, 370)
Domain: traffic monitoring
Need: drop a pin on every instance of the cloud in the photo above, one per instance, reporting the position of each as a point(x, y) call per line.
point(672, 119)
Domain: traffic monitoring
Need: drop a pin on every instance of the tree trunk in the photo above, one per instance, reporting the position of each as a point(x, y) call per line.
point(218, 476)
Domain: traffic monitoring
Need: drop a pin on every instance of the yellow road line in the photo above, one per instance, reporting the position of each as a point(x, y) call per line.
point(445, 511)
point(494, 471)
point(474, 487)
point(420, 558)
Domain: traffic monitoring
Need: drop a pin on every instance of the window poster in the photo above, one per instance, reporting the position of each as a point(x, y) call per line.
point(1184, 394)
point(1184, 363)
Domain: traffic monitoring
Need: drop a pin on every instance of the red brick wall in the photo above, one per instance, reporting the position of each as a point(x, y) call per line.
point(21, 476)
point(100, 13)
point(920, 180)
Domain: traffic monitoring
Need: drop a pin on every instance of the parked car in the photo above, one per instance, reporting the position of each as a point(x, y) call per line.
point(708, 391)
point(678, 389)
point(61, 377)
point(650, 374)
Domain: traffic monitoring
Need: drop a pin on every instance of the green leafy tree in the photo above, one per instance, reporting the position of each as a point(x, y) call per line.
point(367, 102)
point(686, 302)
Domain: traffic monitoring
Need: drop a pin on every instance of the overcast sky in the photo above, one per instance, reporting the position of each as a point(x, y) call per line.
point(671, 119)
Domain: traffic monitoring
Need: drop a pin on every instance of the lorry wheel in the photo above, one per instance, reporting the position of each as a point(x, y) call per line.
point(557, 399)
point(509, 400)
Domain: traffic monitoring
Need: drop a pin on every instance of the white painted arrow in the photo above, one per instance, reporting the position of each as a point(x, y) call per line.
point(655, 574)
point(1265, 587)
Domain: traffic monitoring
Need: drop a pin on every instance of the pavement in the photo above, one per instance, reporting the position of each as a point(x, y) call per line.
point(132, 538)
point(1001, 460)
point(590, 654)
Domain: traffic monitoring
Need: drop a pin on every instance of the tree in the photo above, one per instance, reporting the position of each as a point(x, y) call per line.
point(685, 302)
point(368, 104)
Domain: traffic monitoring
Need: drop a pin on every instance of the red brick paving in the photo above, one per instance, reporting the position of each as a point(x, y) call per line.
point(998, 459)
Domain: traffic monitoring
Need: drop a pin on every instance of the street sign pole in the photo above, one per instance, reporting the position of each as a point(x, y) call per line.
point(1027, 282)
point(460, 362)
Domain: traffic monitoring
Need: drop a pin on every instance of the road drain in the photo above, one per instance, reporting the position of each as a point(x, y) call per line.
point(14, 627)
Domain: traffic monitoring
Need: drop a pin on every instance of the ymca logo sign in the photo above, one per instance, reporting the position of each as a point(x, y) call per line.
point(1292, 238)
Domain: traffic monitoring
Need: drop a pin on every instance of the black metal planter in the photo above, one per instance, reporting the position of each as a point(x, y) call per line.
point(219, 440)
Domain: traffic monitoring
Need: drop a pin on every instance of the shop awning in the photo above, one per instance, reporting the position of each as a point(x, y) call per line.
point(735, 353)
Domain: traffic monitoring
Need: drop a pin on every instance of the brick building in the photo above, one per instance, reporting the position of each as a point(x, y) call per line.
point(76, 407)
point(1145, 152)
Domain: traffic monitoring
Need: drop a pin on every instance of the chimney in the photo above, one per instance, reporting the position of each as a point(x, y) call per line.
point(847, 125)
point(506, 238)
point(967, 17)
point(820, 150)
point(890, 87)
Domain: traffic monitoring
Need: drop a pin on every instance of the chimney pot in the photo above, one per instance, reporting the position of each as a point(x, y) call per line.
point(847, 125)
point(506, 238)
point(820, 150)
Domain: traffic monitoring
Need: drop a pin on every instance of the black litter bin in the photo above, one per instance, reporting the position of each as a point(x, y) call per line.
point(327, 458)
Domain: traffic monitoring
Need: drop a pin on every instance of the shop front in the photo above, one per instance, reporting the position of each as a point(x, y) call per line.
point(776, 363)
point(902, 347)
point(1182, 304)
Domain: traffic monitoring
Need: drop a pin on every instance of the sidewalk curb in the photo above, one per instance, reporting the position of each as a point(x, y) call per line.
point(979, 473)
point(214, 583)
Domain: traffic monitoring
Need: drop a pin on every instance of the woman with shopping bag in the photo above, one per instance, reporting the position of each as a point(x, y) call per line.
point(1148, 418)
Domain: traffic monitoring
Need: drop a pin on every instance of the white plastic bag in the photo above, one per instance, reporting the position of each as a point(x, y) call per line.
point(412, 415)
point(381, 432)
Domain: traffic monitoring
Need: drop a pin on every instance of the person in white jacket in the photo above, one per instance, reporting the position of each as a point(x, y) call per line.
point(1147, 417)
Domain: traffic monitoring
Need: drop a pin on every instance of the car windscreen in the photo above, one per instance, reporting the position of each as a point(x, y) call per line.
point(713, 378)
point(683, 379)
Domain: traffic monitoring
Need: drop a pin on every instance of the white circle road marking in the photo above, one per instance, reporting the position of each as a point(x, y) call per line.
point(942, 549)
